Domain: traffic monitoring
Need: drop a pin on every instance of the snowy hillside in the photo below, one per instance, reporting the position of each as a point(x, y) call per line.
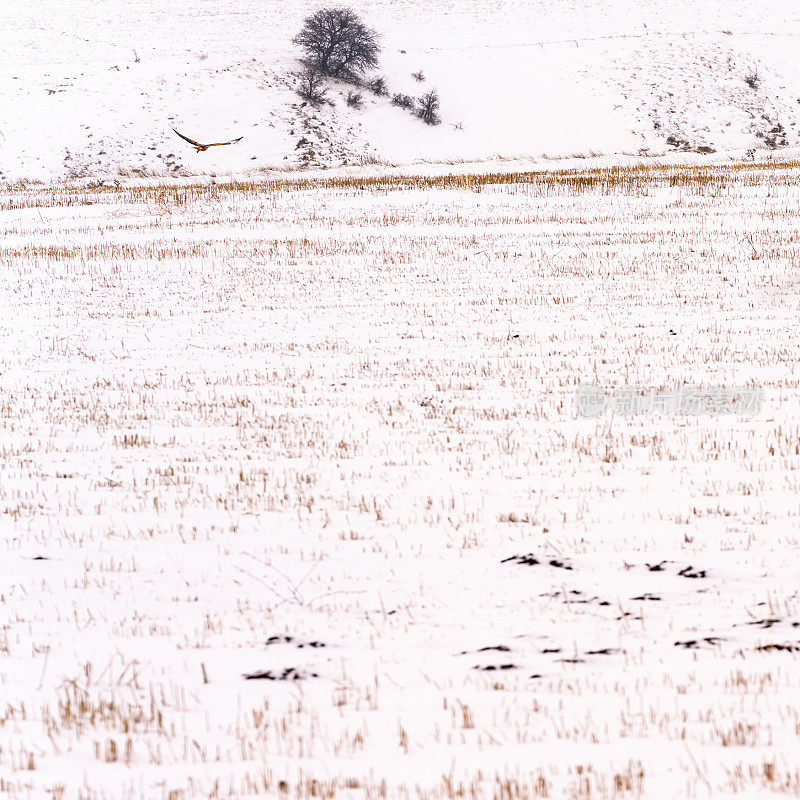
point(93, 88)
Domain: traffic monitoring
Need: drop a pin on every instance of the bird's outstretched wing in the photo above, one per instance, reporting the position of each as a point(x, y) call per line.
point(186, 138)
point(219, 144)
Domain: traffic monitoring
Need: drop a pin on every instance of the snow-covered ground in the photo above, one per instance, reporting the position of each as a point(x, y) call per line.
point(295, 499)
point(93, 88)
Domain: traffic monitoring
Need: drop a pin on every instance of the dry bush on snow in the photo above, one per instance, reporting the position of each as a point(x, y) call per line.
point(378, 86)
point(428, 108)
point(355, 100)
point(752, 79)
point(311, 86)
point(402, 100)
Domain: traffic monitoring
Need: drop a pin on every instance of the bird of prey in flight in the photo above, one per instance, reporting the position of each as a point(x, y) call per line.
point(202, 147)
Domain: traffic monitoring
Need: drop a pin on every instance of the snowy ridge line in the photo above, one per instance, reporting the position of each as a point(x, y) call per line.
point(612, 37)
point(788, 158)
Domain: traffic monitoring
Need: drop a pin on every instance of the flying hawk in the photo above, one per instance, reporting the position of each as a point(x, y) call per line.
point(202, 147)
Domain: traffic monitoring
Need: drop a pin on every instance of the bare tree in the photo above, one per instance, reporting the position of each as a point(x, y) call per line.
point(428, 107)
point(338, 43)
point(311, 86)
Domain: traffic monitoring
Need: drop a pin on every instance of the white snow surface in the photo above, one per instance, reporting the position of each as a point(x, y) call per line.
point(295, 501)
point(94, 88)
point(326, 438)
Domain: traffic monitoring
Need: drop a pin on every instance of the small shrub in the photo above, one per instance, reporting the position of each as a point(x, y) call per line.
point(428, 108)
point(752, 79)
point(402, 100)
point(311, 86)
point(378, 86)
point(419, 77)
point(355, 100)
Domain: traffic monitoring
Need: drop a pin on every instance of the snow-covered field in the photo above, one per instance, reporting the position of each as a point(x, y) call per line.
point(300, 494)
point(295, 500)
point(93, 87)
